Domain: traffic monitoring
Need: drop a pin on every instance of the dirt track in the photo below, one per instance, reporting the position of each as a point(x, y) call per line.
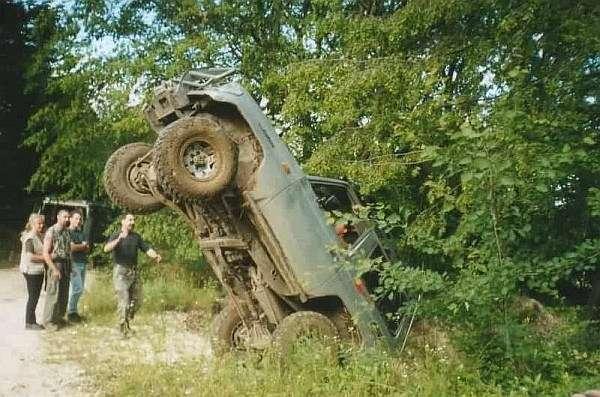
point(34, 363)
point(23, 370)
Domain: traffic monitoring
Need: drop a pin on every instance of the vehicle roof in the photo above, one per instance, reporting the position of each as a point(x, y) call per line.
point(314, 178)
point(69, 203)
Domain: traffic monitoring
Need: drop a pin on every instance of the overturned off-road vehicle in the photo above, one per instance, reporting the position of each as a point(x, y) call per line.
point(259, 220)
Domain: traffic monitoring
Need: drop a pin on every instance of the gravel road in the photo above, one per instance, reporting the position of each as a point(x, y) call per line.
point(23, 369)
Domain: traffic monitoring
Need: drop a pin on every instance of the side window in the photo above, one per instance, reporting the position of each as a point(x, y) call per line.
point(332, 197)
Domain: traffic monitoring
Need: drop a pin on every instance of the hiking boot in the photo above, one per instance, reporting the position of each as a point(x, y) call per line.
point(61, 322)
point(34, 327)
point(74, 317)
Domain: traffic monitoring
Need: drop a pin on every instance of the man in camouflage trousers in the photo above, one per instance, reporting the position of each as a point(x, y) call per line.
point(124, 246)
point(57, 254)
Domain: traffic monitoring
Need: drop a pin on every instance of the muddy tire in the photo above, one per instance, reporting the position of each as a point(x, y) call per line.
point(124, 179)
point(225, 327)
point(301, 326)
point(194, 158)
point(346, 328)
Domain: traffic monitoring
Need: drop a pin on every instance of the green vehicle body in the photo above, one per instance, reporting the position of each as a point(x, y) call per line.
point(264, 232)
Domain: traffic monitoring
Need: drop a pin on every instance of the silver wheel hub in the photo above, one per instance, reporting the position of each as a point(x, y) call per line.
point(137, 177)
point(256, 337)
point(199, 159)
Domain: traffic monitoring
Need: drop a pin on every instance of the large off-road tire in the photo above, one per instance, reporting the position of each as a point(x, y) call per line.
point(302, 326)
point(194, 158)
point(124, 179)
point(225, 329)
point(346, 328)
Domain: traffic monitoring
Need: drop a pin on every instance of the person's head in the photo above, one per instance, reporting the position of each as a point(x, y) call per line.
point(128, 222)
point(75, 219)
point(35, 223)
point(62, 218)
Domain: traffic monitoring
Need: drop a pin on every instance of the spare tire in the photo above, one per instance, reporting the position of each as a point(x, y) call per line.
point(194, 158)
point(125, 181)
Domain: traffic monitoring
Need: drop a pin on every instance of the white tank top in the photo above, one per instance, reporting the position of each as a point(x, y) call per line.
point(26, 265)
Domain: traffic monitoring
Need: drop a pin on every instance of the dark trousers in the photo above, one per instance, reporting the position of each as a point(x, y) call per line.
point(63, 291)
point(34, 286)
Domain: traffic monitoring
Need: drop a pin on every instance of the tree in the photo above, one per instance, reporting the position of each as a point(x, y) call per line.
point(16, 48)
point(472, 124)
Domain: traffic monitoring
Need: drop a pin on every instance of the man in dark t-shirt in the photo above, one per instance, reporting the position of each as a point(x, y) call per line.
point(79, 254)
point(124, 246)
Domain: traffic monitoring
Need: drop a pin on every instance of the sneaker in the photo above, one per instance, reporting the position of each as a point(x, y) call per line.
point(51, 327)
point(34, 327)
point(74, 317)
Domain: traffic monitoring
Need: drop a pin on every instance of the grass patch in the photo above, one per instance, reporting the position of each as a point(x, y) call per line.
point(164, 358)
point(166, 288)
point(304, 374)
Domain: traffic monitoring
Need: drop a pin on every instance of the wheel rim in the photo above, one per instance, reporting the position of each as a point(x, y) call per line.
point(239, 337)
point(136, 175)
point(200, 160)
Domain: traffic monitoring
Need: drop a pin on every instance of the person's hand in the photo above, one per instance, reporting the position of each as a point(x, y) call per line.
point(341, 229)
point(56, 275)
point(122, 235)
point(158, 258)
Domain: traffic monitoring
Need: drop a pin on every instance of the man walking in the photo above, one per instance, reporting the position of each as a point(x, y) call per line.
point(128, 287)
point(57, 252)
point(79, 252)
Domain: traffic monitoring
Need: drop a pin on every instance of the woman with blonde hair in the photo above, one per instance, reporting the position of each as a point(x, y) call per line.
point(32, 266)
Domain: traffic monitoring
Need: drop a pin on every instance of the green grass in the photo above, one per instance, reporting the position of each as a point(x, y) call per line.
point(164, 358)
point(304, 374)
point(167, 287)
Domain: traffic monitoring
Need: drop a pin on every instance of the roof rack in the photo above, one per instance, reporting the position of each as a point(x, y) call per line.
point(201, 78)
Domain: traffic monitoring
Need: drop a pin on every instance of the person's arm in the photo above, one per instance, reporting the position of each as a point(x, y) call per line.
point(154, 255)
point(142, 245)
point(113, 243)
point(79, 247)
point(47, 253)
point(30, 251)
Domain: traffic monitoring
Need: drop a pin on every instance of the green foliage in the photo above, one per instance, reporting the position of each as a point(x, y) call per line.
point(472, 125)
point(173, 287)
point(172, 236)
point(19, 46)
point(514, 357)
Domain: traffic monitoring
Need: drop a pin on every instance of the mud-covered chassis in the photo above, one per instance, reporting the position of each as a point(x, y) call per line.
point(219, 163)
